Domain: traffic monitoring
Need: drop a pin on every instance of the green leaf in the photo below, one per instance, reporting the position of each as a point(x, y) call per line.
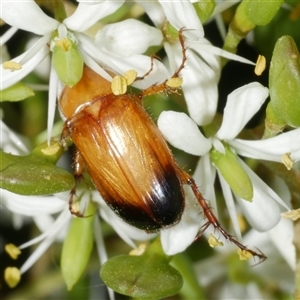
point(148, 276)
point(16, 92)
point(77, 247)
point(35, 174)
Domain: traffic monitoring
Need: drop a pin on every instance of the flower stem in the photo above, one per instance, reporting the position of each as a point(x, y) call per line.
point(59, 10)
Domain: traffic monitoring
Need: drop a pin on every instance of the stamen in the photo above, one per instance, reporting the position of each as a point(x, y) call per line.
point(12, 276)
point(12, 250)
point(11, 65)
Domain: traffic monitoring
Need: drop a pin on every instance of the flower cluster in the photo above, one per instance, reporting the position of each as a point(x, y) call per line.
point(119, 47)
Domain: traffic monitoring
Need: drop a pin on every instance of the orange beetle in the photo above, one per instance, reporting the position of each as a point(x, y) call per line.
point(127, 157)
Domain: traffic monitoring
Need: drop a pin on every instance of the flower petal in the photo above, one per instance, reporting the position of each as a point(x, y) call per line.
point(181, 131)
point(87, 15)
point(241, 105)
point(28, 16)
point(213, 50)
point(34, 205)
point(128, 37)
point(209, 54)
point(10, 142)
point(204, 176)
point(182, 14)
point(60, 223)
point(263, 212)
point(270, 149)
point(230, 206)
point(178, 237)
point(7, 35)
point(52, 96)
point(120, 65)
point(155, 12)
point(200, 90)
point(200, 79)
point(282, 236)
point(29, 60)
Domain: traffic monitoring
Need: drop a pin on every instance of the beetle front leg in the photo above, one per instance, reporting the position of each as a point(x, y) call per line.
point(212, 219)
point(78, 166)
point(171, 85)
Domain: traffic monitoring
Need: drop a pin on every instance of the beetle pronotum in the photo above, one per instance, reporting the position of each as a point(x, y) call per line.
point(127, 157)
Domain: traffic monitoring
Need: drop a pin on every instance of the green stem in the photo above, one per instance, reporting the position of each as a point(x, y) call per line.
point(59, 10)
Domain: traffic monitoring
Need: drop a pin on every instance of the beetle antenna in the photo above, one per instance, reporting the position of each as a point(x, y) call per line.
point(212, 219)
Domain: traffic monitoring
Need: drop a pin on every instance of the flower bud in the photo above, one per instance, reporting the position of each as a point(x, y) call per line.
point(67, 60)
point(77, 247)
point(284, 85)
point(261, 12)
point(233, 173)
point(204, 9)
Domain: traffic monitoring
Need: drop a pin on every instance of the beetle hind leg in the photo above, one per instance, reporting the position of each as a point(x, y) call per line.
point(212, 219)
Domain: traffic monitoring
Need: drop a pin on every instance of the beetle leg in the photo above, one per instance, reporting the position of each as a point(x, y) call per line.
point(78, 166)
point(165, 87)
point(212, 219)
point(150, 70)
point(64, 135)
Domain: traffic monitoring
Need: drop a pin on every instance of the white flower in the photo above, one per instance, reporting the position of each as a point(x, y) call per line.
point(202, 69)
point(28, 16)
point(97, 58)
point(262, 213)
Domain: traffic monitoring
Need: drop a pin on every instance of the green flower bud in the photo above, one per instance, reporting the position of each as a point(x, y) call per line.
point(284, 84)
point(261, 12)
point(233, 173)
point(77, 247)
point(67, 60)
point(170, 33)
point(204, 9)
point(16, 92)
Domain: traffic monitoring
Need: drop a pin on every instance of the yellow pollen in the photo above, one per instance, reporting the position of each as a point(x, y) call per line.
point(213, 242)
point(260, 65)
point(174, 82)
point(12, 276)
point(139, 250)
point(12, 250)
point(51, 150)
point(293, 214)
point(244, 254)
point(11, 65)
point(287, 160)
point(64, 44)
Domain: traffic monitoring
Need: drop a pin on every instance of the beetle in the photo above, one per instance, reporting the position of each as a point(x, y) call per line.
point(126, 156)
